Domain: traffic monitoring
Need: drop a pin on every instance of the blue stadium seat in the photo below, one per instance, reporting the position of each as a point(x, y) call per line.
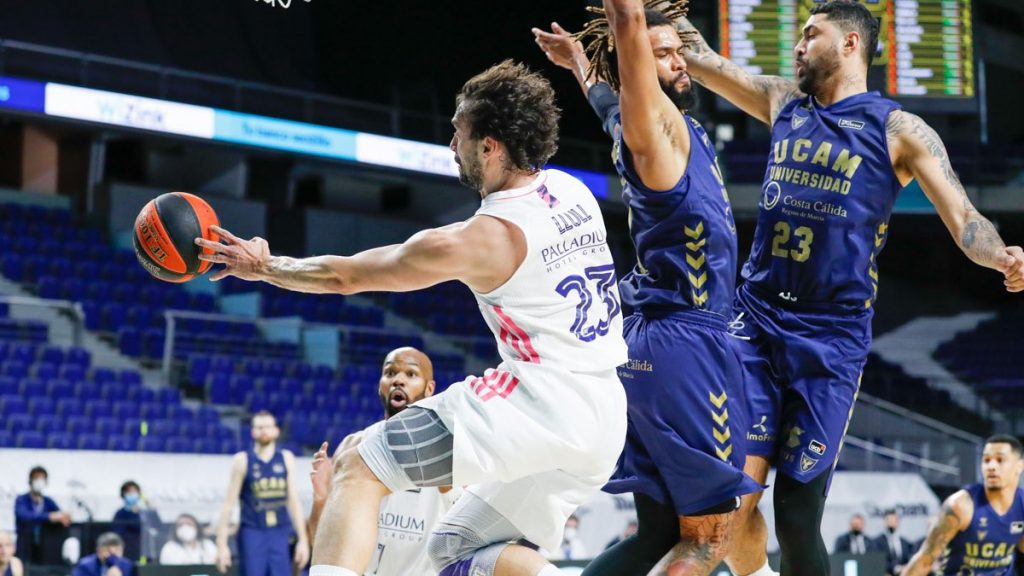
point(207, 414)
point(113, 391)
point(8, 385)
point(152, 410)
point(103, 375)
point(132, 427)
point(48, 287)
point(206, 446)
point(77, 425)
point(45, 370)
point(40, 406)
point(30, 440)
point(152, 444)
point(179, 444)
point(70, 406)
point(107, 426)
point(18, 422)
point(11, 404)
point(125, 408)
point(121, 443)
point(97, 408)
point(61, 441)
point(163, 427)
point(218, 388)
point(111, 316)
point(48, 423)
point(168, 396)
point(141, 394)
point(180, 413)
point(73, 372)
point(129, 341)
point(92, 442)
point(14, 368)
point(78, 356)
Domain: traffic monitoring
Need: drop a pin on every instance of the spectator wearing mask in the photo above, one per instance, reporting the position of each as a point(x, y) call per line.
point(572, 547)
point(186, 545)
point(108, 560)
point(129, 519)
point(9, 563)
point(854, 541)
point(33, 513)
point(898, 549)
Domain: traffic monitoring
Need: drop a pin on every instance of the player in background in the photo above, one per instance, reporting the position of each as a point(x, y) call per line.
point(839, 155)
point(981, 528)
point(406, 518)
point(263, 484)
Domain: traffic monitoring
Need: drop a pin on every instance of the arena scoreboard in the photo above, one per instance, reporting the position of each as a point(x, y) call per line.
point(925, 46)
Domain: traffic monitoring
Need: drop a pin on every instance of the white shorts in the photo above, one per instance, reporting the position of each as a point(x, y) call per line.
point(534, 442)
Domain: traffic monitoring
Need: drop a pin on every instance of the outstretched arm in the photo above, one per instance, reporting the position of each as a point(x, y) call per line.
point(918, 153)
point(954, 518)
point(760, 96)
point(652, 126)
point(482, 252)
point(566, 52)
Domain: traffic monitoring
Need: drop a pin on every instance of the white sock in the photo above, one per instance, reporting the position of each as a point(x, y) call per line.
point(327, 570)
point(765, 570)
point(549, 570)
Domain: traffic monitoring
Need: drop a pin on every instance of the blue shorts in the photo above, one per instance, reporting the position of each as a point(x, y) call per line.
point(264, 551)
point(802, 375)
point(684, 396)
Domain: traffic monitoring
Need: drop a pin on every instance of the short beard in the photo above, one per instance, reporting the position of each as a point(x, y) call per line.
point(816, 77)
point(471, 175)
point(682, 99)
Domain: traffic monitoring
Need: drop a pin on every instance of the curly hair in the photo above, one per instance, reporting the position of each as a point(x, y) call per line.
point(600, 47)
point(516, 107)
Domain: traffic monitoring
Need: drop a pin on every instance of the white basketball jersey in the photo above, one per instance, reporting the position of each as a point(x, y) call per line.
point(405, 522)
point(561, 307)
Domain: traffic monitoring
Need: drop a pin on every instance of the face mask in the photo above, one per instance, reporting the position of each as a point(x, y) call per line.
point(131, 499)
point(38, 485)
point(186, 533)
point(855, 532)
point(570, 533)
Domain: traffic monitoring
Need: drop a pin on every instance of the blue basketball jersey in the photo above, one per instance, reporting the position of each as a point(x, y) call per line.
point(265, 493)
point(825, 205)
point(988, 545)
point(685, 238)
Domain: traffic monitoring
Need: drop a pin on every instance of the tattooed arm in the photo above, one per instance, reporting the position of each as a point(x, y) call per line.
point(955, 517)
point(760, 96)
point(918, 153)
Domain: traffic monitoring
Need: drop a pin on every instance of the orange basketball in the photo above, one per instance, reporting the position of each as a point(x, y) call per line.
point(165, 233)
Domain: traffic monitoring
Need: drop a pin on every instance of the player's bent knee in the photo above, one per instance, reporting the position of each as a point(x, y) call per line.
point(450, 546)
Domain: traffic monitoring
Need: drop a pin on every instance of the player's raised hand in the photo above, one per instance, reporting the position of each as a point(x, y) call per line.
point(560, 47)
point(321, 473)
point(1013, 268)
point(245, 259)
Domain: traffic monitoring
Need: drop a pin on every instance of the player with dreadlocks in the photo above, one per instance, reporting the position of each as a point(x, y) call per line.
point(683, 380)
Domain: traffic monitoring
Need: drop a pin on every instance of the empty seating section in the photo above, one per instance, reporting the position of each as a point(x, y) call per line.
point(890, 382)
point(53, 398)
point(989, 358)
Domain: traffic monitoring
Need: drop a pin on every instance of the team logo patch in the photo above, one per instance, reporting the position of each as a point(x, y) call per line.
point(546, 196)
point(760, 426)
point(278, 468)
point(855, 124)
point(798, 121)
point(1017, 528)
point(983, 521)
point(771, 195)
point(806, 463)
point(817, 447)
point(982, 534)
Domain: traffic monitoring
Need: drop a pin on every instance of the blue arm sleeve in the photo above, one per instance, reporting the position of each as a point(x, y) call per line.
point(606, 104)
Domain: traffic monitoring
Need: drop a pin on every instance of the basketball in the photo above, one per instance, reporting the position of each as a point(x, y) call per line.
point(165, 233)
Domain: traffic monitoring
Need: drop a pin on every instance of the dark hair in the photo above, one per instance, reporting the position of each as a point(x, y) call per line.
point(37, 470)
point(130, 484)
point(851, 16)
point(516, 107)
point(1014, 443)
point(600, 49)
